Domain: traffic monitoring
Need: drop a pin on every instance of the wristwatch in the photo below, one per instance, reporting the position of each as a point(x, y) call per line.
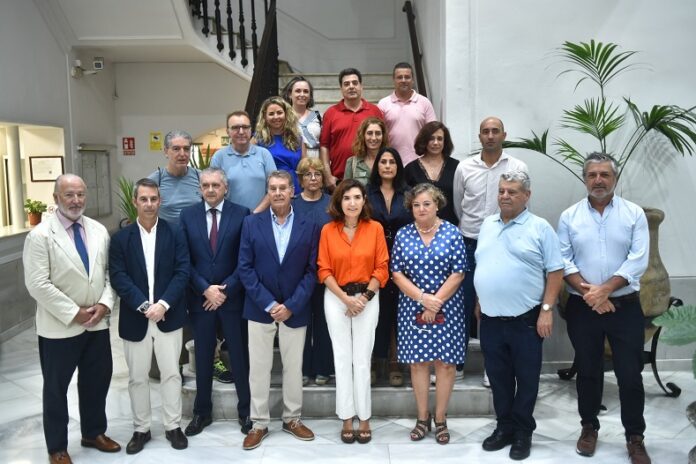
point(143, 307)
point(369, 294)
point(546, 307)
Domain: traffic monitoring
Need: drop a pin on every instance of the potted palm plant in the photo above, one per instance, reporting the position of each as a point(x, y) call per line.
point(34, 210)
point(599, 120)
point(125, 201)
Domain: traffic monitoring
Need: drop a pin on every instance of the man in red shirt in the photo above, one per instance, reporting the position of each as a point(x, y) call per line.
point(341, 122)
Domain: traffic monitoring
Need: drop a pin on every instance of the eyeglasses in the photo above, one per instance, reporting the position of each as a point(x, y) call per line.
point(239, 128)
point(312, 175)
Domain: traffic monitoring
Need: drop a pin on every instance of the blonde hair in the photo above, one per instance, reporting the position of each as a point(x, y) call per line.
point(291, 132)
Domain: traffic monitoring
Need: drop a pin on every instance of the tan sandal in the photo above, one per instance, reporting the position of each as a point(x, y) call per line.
point(421, 429)
point(442, 435)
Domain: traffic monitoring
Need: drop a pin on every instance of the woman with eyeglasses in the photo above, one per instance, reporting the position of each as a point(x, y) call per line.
point(277, 131)
point(369, 140)
point(313, 203)
point(299, 92)
point(428, 264)
point(385, 192)
point(352, 263)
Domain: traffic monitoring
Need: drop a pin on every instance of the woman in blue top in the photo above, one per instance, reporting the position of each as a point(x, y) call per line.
point(385, 192)
point(277, 131)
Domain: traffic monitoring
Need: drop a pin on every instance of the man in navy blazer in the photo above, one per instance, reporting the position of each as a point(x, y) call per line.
point(149, 269)
point(278, 267)
point(213, 229)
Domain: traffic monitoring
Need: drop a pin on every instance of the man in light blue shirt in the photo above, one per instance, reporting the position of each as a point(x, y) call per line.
point(518, 276)
point(247, 166)
point(605, 242)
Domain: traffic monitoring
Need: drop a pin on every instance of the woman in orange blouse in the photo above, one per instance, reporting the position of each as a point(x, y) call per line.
point(352, 264)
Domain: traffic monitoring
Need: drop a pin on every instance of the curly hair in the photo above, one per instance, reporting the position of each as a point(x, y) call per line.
point(291, 133)
point(359, 149)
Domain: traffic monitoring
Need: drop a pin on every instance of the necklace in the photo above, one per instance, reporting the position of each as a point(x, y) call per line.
point(427, 231)
point(348, 226)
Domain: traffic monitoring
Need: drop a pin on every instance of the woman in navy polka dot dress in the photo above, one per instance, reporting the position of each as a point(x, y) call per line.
point(428, 264)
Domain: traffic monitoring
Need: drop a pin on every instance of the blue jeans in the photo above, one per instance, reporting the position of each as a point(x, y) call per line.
point(512, 351)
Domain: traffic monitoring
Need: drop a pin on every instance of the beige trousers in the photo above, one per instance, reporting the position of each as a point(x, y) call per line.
point(167, 347)
point(291, 344)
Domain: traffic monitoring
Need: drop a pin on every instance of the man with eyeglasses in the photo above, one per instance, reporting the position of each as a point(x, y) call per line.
point(247, 166)
point(177, 181)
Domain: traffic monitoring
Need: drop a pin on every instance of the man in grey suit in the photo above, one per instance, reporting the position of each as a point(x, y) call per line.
point(66, 271)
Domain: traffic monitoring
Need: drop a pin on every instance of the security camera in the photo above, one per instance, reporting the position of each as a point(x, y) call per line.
point(98, 63)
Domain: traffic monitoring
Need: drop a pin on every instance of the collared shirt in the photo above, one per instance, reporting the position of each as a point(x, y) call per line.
point(149, 240)
point(475, 190)
point(68, 223)
point(176, 192)
point(404, 119)
point(209, 215)
point(512, 261)
point(338, 131)
point(246, 173)
point(357, 168)
point(600, 246)
point(281, 232)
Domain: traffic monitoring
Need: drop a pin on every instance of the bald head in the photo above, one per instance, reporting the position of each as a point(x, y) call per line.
point(70, 194)
point(64, 179)
point(492, 120)
point(491, 135)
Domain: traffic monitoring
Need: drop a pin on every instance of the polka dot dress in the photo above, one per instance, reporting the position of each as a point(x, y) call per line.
point(428, 268)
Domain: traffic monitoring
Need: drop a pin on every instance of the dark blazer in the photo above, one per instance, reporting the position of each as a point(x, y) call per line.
point(129, 278)
point(208, 268)
point(266, 279)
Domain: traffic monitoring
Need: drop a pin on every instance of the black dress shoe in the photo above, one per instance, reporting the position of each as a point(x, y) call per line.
point(497, 441)
point(177, 438)
point(520, 448)
point(197, 424)
point(246, 423)
point(137, 442)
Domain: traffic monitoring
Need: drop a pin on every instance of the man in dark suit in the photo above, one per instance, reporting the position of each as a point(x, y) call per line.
point(65, 271)
point(149, 268)
point(277, 266)
point(213, 229)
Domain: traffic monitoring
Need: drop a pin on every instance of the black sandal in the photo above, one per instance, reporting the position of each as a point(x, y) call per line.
point(348, 436)
point(421, 429)
point(442, 435)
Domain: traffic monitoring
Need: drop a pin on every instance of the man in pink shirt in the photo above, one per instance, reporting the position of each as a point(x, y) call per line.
point(341, 122)
point(405, 112)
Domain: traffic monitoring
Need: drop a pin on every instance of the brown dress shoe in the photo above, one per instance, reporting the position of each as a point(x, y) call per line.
point(636, 450)
point(254, 438)
point(60, 457)
point(102, 443)
point(297, 429)
point(587, 441)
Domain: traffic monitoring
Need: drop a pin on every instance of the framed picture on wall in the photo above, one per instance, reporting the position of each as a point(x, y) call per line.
point(45, 168)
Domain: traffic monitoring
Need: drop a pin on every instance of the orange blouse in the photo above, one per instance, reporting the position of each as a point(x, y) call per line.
point(357, 261)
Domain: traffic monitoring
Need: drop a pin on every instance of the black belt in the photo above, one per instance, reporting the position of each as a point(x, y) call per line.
point(353, 288)
point(537, 308)
point(630, 298)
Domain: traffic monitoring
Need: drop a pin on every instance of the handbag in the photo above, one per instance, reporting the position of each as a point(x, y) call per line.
point(439, 318)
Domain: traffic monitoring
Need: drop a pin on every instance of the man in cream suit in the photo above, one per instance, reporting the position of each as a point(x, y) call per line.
point(66, 272)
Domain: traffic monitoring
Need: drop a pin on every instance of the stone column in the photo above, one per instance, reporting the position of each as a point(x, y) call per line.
point(14, 175)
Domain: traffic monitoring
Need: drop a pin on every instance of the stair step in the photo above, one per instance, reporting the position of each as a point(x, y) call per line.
point(330, 80)
point(468, 398)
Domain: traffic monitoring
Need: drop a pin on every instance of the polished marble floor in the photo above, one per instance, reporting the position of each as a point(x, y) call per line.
point(669, 435)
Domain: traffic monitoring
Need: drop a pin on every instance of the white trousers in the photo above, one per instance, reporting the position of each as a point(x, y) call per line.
point(291, 343)
point(167, 346)
point(352, 339)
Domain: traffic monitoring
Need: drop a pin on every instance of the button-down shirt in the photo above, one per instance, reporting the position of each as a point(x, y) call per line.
point(68, 223)
point(281, 234)
point(600, 246)
point(404, 119)
point(246, 173)
point(209, 215)
point(149, 240)
point(512, 261)
point(475, 190)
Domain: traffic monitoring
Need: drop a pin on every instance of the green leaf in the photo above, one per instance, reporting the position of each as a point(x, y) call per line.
point(535, 143)
point(595, 118)
point(678, 325)
point(125, 193)
point(596, 61)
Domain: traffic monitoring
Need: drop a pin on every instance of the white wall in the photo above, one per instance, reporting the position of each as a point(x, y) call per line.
point(320, 36)
point(499, 60)
point(194, 97)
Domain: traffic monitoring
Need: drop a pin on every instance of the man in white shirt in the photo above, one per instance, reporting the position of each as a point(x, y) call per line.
point(149, 268)
point(475, 195)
